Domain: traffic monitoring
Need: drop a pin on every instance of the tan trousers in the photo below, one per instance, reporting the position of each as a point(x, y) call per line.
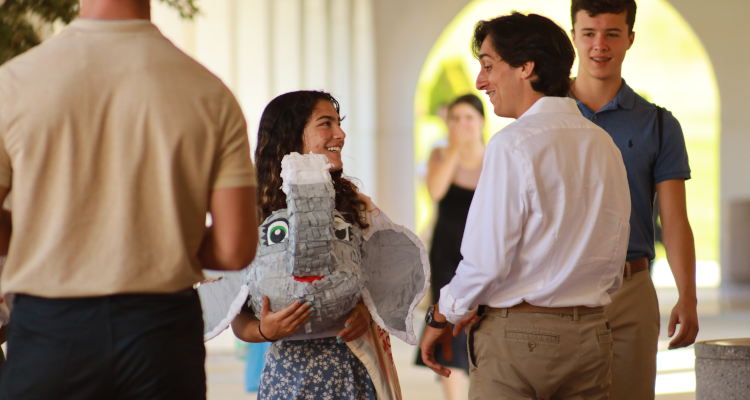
point(539, 356)
point(634, 318)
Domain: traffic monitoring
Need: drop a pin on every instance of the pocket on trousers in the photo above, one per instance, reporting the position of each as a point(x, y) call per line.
point(533, 341)
point(604, 337)
point(605, 341)
point(470, 343)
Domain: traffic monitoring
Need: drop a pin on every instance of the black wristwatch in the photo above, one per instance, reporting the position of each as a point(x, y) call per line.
point(429, 319)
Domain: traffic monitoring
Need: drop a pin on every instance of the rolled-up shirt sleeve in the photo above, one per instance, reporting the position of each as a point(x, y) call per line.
point(493, 229)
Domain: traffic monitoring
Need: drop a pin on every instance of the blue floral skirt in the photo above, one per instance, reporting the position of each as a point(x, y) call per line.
point(314, 369)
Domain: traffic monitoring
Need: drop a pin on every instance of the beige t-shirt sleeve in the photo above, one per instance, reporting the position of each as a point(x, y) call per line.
point(233, 165)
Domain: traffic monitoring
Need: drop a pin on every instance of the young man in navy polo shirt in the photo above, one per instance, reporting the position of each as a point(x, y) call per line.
point(657, 166)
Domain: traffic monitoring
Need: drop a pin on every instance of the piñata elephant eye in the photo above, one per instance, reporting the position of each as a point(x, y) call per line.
point(342, 229)
point(277, 232)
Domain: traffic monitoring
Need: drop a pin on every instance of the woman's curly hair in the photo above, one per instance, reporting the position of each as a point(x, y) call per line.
point(281, 132)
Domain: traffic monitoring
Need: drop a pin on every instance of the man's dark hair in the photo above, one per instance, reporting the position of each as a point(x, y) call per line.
point(596, 7)
point(519, 38)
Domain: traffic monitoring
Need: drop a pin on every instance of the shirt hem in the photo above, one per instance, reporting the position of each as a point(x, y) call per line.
point(105, 293)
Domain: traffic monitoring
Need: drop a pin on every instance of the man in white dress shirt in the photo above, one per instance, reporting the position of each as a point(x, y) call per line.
point(547, 232)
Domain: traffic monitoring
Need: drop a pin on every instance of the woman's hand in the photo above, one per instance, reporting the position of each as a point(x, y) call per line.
point(277, 325)
point(460, 135)
point(357, 324)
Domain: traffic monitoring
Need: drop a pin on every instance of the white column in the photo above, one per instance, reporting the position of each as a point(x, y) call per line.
point(253, 61)
point(287, 46)
point(339, 76)
point(364, 95)
point(340, 34)
point(214, 39)
point(180, 31)
point(169, 22)
point(188, 37)
point(315, 48)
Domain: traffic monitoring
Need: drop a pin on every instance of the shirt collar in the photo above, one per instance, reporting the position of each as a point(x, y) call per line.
point(625, 99)
point(122, 25)
point(549, 104)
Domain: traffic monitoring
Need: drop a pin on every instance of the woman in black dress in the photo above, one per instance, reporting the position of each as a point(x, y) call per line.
point(452, 176)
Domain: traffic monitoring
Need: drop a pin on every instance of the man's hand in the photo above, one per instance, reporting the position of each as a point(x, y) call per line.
point(431, 337)
point(466, 322)
point(357, 324)
point(684, 313)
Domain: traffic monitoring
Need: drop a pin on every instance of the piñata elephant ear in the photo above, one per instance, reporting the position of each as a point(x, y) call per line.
point(222, 294)
point(398, 270)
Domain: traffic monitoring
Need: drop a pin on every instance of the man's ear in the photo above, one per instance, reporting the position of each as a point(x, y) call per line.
point(631, 39)
point(527, 70)
point(573, 34)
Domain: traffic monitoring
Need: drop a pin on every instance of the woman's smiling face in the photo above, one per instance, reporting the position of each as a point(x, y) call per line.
point(323, 134)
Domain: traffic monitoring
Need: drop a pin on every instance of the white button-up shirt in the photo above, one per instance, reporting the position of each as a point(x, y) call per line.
point(549, 220)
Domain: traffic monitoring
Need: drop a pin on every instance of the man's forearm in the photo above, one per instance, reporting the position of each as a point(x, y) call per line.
point(680, 246)
point(677, 235)
point(437, 316)
point(206, 254)
point(213, 257)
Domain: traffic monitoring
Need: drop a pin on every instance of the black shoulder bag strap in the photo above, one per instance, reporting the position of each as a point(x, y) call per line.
point(660, 127)
point(660, 124)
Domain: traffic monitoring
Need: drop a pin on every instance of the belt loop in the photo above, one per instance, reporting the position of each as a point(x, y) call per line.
point(575, 313)
point(504, 313)
point(628, 274)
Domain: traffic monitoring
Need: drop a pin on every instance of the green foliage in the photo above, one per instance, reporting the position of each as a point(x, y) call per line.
point(23, 23)
point(186, 8)
point(19, 20)
point(451, 82)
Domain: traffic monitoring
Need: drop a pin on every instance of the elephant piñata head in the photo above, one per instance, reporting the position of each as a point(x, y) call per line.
point(310, 251)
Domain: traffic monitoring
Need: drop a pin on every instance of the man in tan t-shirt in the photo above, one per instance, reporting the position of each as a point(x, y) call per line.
point(116, 144)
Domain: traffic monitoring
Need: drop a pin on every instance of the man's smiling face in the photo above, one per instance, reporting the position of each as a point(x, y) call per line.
point(501, 82)
point(602, 42)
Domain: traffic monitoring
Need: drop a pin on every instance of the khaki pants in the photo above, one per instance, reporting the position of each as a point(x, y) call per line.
point(634, 318)
point(539, 356)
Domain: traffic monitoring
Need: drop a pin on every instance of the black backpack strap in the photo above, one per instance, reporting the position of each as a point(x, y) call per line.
point(660, 124)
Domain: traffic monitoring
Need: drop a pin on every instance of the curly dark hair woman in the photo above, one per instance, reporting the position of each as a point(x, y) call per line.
point(287, 126)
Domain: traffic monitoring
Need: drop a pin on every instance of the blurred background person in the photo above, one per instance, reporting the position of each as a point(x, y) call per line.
point(452, 176)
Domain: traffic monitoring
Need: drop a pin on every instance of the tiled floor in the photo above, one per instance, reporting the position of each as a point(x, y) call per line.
point(723, 314)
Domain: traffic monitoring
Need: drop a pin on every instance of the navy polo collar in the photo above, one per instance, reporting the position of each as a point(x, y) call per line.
point(625, 99)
